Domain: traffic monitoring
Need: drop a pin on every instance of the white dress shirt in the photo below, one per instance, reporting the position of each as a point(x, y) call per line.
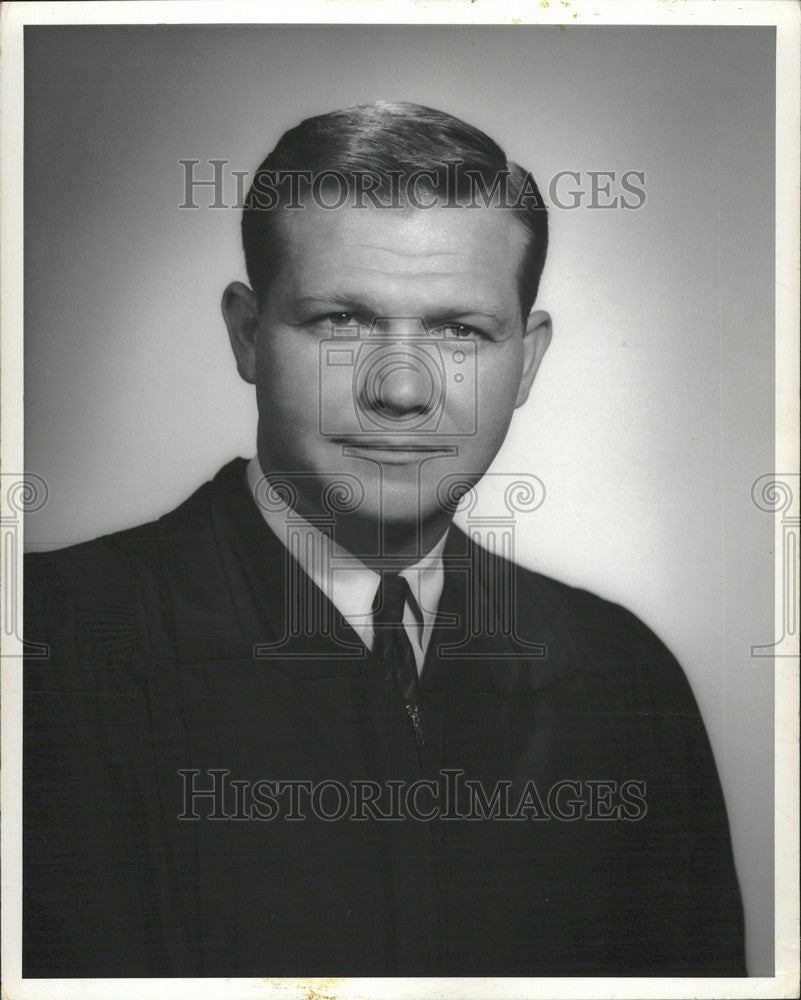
point(349, 584)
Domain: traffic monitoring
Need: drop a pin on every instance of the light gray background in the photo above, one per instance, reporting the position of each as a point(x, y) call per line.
point(653, 412)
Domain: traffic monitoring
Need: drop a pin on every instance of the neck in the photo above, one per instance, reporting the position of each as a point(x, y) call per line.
point(379, 544)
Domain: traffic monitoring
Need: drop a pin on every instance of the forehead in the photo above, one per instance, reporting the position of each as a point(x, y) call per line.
point(402, 257)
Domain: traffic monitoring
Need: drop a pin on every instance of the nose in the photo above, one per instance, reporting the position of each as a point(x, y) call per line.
point(400, 383)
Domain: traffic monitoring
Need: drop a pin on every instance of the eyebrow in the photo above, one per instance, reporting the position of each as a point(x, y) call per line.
point(354, 304)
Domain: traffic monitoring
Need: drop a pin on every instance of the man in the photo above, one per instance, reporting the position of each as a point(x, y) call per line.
point(302, 725)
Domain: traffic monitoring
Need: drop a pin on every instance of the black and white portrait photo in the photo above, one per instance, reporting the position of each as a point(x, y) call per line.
point(400, 503)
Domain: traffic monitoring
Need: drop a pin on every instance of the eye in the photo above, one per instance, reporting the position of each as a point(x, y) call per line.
point(341, 319)
point(458, 330)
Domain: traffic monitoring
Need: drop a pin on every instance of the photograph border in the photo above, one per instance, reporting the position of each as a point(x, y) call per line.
point(785, 15)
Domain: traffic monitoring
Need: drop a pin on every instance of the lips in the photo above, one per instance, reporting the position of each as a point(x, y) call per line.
point(393, 450)
point(390, 444)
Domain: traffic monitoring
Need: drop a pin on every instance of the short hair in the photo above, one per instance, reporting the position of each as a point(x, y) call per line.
point(389, 142)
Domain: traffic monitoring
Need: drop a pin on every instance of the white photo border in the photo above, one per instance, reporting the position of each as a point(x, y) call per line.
point(785, 15)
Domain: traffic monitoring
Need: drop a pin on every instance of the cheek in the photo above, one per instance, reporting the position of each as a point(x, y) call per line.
point(287, 374)
point(499, 367)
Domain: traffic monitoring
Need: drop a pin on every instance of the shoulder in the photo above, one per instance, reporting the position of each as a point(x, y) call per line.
point(93, 577)
point(94, 564)
point(547, 601)
point(116, 581)
point(114, 555)
point(84, 587)
point(591, 617)
point(597, 643)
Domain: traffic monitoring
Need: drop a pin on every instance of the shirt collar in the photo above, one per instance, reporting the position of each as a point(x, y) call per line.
point(345, 580)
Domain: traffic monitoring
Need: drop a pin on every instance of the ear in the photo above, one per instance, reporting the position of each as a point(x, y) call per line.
point(536, 338)
point(241, 313)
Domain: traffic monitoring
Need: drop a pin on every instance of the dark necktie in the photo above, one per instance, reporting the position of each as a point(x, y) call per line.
point(392, 644)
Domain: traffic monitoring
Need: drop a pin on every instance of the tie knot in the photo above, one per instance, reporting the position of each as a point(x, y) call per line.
point(390, 599)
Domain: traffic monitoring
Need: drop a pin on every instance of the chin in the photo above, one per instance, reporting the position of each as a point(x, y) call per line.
point(398, 511)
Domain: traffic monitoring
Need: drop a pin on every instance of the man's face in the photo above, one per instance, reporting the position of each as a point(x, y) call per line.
point(390, 353)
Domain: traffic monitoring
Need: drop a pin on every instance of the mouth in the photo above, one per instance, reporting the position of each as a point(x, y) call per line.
point(392, 451)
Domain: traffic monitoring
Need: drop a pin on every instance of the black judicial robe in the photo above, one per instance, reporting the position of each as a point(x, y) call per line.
point(167, 652)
